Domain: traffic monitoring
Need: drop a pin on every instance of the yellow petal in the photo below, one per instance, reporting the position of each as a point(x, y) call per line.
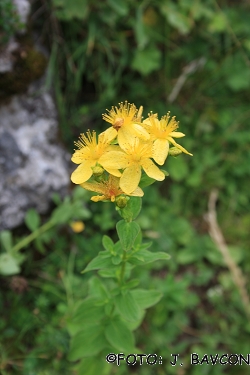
point(177, 134)
point(124, 136)
point(78, 157)
point(140, 132)
point(82, 173)
point(93, 186)
point(152, 170)
point(130, 179)
point(113, 172)
point(138, 192)
point(108, 135)
point(98, 198)
point(179, 146)
point(147, 121)
point(160, 150)
point(114, 160)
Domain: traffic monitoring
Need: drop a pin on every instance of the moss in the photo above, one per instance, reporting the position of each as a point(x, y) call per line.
point(30, 64)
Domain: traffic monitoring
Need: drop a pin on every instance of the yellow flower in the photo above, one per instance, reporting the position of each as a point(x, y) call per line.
point(88, 155)
point(162, 133)
point(77, 226)
point(136, 156)
point(125, 123)
point(109, 189)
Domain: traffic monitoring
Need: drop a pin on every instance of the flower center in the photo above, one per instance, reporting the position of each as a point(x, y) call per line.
point(119, 121)
point(136, 158)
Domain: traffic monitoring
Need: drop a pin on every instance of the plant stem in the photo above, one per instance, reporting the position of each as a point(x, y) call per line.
point(31, 237)
point(123, 268)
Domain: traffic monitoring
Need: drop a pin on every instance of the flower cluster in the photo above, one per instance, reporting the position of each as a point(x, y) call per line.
point(128, 148)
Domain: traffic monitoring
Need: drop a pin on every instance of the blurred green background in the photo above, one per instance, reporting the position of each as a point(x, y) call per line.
point(192, 58)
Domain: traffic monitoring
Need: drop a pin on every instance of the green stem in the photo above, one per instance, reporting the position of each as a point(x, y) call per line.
point(25, 241)
point(123, 267)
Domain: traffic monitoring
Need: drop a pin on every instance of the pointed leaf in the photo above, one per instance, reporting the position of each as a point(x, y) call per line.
point(146, 298)
point(103, 260)
point(146, 181)
point(97, 288)
point(32, 219)
point(132, 209)
point(116, 259)
point(137, 243)
point(127, 232)
point(87, 313)
point(8, 265)
point(87, 343)
point(145, 256)
point(109, 273)
point(108, 244)
point(91, 366)
point(119, 336)
point(127, 306)
point(6, 240)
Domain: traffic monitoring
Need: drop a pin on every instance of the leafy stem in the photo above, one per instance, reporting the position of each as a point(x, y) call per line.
point(24, 242)
point(123, 267)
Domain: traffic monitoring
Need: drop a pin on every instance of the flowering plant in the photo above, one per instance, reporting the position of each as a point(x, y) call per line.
point(116, 165)
point(129, 146)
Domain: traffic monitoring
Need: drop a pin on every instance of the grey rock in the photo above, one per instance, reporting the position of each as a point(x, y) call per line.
point(23, 10)
point(6, 54)
point(33, 165)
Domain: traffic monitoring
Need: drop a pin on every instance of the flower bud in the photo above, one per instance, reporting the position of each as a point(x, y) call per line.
point(77, 226)
point(174, 151)
point(97, 170)
point(121, 201)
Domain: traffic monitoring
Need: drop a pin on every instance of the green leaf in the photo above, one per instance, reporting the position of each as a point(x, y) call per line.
point(178, 168)
point(117, 259)
point(121, 7)
point(69, 10)
point(97, 288)
point(90, 341)
point(103, 260)
point(145, 256)
point(127, 306)
point(239, 80)
point(146, 181)
point(215, 257)
point(186, 256)
point(131, 284)
point(86, 313)
point(165, 172)
point(127, 233)
point(146, 298)
point(119, 336)
point(177, 19)
point(109, 273)
point(146, 245)
point(139, 28)
point(218, 23)
point(114, 271)
point(32, 219)
point(118, 248)
point(132, 209)
point(137, 243)
point(92, 366)
point(147, 60)
point(8, 265)
point(108, 244)
point(6, 240)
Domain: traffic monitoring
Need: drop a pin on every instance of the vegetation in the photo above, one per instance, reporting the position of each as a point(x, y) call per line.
point(9, 21)
point(188, 57)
